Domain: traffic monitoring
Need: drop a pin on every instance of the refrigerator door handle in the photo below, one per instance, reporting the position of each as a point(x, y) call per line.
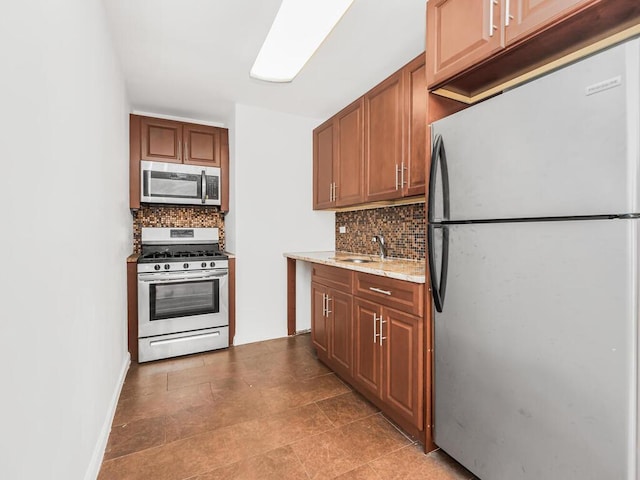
point(438, 156)
point(438, 285)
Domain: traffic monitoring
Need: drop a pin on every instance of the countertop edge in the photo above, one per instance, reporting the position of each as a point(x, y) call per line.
point(308, 257)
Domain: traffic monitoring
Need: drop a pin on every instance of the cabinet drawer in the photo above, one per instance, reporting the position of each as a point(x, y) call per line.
point(339, 278)
point(404, 296)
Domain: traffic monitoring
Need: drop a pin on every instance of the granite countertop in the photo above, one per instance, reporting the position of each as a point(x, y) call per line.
point(399, 268)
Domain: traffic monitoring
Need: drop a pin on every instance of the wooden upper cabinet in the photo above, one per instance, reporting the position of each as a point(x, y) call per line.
point(323, 160)
point(201, 145)
point(477, 48)
point(376, 148)
point(161, 140)
point(525, 16)
point(178, 142)
point(460, 33)
point(383, 107)
point(349, 160)
point(415, 87)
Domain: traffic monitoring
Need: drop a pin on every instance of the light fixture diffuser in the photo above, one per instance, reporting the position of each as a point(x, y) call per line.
point(297, 31)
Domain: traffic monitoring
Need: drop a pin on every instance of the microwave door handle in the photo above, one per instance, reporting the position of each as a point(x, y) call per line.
point(147, 193)
point(204, 185)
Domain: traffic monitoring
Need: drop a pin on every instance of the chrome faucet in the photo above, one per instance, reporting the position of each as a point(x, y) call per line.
point(379, 239)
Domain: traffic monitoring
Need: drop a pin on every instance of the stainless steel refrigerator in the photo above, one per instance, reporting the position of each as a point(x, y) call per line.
point(533, 236)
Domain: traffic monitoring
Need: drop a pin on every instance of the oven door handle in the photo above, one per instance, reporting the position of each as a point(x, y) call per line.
point(182, 279)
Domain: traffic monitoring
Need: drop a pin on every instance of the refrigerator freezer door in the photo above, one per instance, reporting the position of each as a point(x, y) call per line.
point(565, 144)
point(535, 350)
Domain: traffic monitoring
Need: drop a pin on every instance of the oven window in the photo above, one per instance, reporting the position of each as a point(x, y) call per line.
point(181, 299)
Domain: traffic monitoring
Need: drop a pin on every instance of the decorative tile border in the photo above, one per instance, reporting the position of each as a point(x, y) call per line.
point(403, 227)
point(175, 216)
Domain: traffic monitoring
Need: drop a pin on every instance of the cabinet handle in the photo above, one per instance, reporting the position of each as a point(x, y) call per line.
point(492, 27)
point(324, 305)
point(328, 300)
point(375, 327)
point(402, 181)
point(335, 195)
point(186, 152)
point(507, 17)
point(379, 290)
point(396, 176)
point(380, 337)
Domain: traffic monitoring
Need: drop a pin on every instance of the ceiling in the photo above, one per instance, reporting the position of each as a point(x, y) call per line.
point(191, 58)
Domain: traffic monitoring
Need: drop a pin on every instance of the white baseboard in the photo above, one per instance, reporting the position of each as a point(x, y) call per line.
point(101, 444)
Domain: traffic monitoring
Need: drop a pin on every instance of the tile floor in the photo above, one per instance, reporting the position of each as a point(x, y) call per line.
point(267, 410)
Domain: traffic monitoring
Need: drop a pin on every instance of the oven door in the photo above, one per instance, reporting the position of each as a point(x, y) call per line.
point(173, 302)
point(179, 184)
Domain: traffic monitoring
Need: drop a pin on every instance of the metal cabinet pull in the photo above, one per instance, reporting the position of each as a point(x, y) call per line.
point(375, 327)
point(492, 27)
point(335, 195)
point(379, 290)
point(507, 16)
point(380, 336)
point(402, 180)
point(396, 176)
point(328, 300)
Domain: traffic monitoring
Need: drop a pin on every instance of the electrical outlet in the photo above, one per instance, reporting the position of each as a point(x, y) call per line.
point(342, 229)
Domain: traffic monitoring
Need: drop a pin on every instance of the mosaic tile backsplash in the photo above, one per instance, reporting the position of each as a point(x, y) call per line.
point(403, 227)
point(175, 216)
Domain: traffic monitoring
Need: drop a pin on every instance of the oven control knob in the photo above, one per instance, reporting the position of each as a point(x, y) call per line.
point(203, 264)
point(212, 264)
point(156, 267)
point(186, 265)
point(167, 266)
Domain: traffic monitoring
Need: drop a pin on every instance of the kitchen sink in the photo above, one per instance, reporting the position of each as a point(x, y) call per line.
point(355, 260)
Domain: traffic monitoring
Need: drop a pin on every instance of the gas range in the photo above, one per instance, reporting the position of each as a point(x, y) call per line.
point(183, 293)
point(180, 249)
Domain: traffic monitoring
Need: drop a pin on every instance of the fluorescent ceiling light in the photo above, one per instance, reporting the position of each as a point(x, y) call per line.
point(297, 31)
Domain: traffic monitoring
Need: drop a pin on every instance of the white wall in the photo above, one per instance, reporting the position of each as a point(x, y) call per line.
point(270, 213)
point(65, 231)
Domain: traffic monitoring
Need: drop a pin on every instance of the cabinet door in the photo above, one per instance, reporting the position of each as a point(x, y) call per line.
point(367, 362)
point(383, 139)
point(415, 110)
point(161, 140)
point(201, 145)
point(460, 33)
point(323, 155)
point(403, 366)
point(523, 17)
point(319, 321)
point(349, 165)
point(341, 338)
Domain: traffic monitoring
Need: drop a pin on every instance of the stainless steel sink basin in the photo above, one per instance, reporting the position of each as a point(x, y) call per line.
point(355, 260)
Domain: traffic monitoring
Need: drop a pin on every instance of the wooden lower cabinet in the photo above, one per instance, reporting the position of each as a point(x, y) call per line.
point(367, 369)
point(402, 366)
point(378, 349)
point(331, 330)
point(319, 321)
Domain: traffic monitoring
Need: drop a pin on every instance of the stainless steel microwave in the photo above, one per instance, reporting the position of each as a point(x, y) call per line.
point(180, 184)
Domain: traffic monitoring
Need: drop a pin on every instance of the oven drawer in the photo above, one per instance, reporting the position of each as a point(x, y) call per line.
point(166, 346)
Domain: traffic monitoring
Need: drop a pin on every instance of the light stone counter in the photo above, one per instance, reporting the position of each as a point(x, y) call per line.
point(399, 268)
